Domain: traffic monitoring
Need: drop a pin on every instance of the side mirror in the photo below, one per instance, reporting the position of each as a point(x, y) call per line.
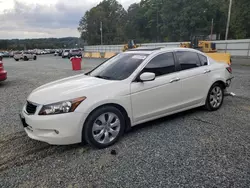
point(147, 76)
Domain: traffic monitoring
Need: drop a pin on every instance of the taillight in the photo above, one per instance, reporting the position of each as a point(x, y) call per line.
point(229, 69)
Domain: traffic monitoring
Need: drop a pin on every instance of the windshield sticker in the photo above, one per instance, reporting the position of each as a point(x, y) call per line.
point(139, 57)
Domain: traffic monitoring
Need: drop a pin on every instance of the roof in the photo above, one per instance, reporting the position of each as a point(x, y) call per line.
point(146, 49)
point(150, 50)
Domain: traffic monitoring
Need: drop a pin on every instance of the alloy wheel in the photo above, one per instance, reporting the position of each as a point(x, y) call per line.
point(216, 97)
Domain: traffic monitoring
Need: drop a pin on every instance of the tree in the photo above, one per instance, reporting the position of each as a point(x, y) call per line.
point(240, 20)
point(113, 17)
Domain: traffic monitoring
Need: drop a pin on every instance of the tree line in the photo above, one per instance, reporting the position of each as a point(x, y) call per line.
point(163, 21)
point(43, 43)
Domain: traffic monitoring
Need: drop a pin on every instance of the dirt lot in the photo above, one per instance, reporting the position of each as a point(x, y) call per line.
point(191, 149)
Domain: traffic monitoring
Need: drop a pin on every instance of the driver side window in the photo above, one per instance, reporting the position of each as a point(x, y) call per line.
point(161, 65)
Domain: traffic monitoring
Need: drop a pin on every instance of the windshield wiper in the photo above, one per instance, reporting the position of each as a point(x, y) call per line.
point(104, 77)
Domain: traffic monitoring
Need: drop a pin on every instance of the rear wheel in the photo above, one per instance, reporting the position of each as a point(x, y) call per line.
point(34, 58)
point(17, 59)
point(215, 97)
point(104, 127)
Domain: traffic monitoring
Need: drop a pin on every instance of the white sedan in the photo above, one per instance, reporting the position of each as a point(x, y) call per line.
point(131, 88)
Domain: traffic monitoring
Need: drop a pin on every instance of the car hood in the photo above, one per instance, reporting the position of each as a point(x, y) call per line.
point(65, 89)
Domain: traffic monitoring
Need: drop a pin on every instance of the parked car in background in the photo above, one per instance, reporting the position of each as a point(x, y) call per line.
point(3, 73)
point(65, 53)
point(5, 54)
point(11, 54)
point(60, 52)
point(56, 53)
point(146, 85)
point(74, 53)
point(25, 55)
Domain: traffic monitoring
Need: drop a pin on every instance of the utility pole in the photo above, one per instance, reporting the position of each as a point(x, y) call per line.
point(212, 28)
point(101, 32)
point(157, 23)
point(228, 19)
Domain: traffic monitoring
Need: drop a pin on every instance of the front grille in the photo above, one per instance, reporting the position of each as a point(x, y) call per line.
point(30, 108)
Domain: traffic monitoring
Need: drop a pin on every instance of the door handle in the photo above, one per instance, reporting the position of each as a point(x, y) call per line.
point(175, 80)
point(207, 71)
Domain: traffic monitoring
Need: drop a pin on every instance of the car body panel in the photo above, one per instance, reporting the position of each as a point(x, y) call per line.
point(155, 97)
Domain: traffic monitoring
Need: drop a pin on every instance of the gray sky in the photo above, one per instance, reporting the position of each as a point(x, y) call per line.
point(44, 18)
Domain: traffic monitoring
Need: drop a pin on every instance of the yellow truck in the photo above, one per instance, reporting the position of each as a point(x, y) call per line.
point(209, 48)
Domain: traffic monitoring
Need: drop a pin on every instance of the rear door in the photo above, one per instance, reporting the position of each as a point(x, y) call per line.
point(194, 77)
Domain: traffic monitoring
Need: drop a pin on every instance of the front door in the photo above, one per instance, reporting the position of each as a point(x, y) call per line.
point(155, 98)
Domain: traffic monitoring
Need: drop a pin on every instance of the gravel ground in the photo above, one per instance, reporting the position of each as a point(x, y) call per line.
point(191, 149)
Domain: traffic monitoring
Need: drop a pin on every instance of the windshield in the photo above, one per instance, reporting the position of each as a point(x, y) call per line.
point(66, 50)
point(119, 67)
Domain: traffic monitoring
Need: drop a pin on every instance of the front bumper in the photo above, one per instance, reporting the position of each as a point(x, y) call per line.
point(62, 129)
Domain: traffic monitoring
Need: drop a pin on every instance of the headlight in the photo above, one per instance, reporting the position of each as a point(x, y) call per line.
point(61, 107)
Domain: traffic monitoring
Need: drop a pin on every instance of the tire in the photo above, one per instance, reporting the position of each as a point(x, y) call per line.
point(25, 58)
point(212, 103)
point(100, 117)
point(17, 59)
point(34, 58)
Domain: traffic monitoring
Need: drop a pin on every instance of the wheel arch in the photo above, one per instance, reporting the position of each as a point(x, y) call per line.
point(120, 108)
point(221, 82)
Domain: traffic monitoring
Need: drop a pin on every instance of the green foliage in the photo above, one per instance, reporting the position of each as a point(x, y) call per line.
point(164, 20)
point(47, 43)
point(113, 18)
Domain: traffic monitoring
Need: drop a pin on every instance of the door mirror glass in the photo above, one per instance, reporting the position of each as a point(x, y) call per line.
point(147, 76)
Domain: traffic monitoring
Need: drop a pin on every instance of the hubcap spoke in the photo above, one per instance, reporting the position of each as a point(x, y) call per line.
point(106, 138)
point(113, 132)
point(97, 127)
point(102, 118)
point(110, 118)
point(99, 136)
point(115, 124)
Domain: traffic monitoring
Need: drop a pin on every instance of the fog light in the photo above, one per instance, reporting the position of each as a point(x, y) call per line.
point(56, 131)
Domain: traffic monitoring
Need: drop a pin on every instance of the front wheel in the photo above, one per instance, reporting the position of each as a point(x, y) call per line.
point(34, 58)
point(104, 127)
point(17, 59)
point(215, 97)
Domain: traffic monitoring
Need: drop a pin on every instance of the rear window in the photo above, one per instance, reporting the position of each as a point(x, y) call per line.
point(66, 50)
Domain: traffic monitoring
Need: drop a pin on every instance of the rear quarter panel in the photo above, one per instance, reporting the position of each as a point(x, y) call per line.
point(219, 72)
